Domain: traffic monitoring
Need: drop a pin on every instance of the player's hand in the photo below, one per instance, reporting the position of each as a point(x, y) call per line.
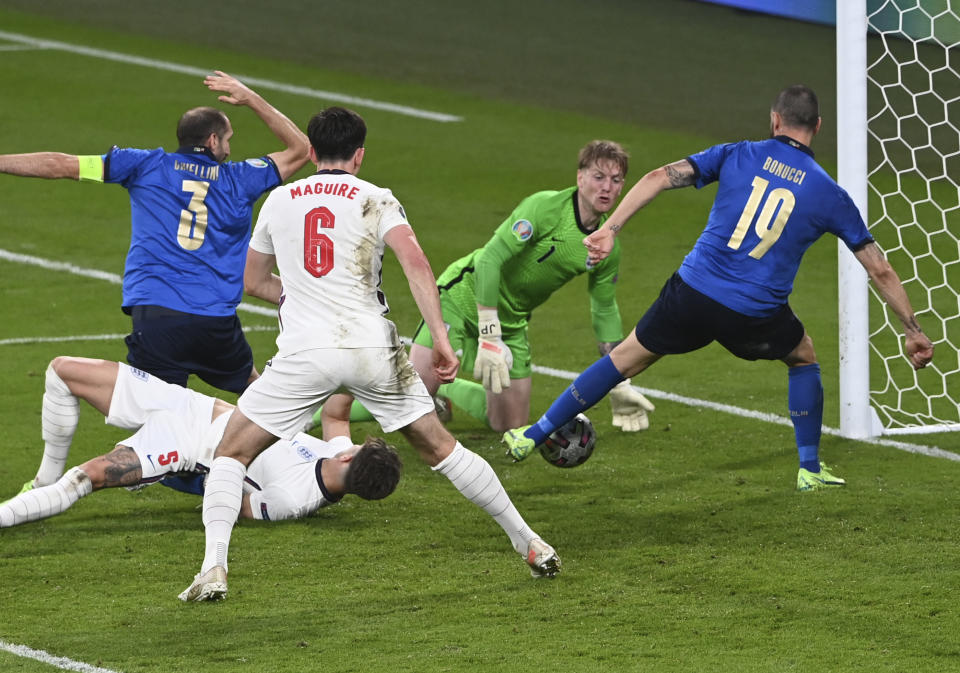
point(919, 350)
point(238, 93)
point(494, 359)
point(630, 408)
point(445, 362)
point(599, 244)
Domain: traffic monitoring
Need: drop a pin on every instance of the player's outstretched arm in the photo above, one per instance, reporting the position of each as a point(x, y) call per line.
point(918, 346)
point(290, 160)
point(678, 174)
point(49, 165)
point(423, 286)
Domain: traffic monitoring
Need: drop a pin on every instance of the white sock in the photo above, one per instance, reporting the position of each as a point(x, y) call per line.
point(222, 497)
point(61, 413)
point(39, 503)
point(479, 484)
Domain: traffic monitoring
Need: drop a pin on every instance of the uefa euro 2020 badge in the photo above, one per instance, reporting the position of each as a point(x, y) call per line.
point(523, 230)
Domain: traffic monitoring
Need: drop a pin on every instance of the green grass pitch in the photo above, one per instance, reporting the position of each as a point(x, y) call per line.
point(685, 547)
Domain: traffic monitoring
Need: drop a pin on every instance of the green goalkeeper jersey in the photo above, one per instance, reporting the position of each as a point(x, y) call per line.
point(534, 252)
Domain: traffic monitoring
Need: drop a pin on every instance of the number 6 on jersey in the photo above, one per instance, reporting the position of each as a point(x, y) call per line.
point(317, 246)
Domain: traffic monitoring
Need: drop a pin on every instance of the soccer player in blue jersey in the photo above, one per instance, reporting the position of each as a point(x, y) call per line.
point(191, 213)
point(773, 201)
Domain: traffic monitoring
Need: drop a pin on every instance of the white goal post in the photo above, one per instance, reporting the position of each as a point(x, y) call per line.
point(898, 155)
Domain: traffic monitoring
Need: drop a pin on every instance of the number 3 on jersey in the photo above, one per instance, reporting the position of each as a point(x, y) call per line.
point(317, 246)
point(768, 228)
point(193, 219)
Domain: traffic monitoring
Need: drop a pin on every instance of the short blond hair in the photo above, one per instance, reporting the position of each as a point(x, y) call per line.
point(603, 150)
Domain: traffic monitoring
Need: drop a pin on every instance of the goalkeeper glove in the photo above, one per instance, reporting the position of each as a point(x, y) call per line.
point(630, 408)
point(494, 359)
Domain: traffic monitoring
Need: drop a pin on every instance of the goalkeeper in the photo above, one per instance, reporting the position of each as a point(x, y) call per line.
point(487, 297)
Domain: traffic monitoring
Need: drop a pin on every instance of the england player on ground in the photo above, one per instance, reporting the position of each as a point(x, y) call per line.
point(177, 430)
point(773, 201)
point(326, 235)
point(488, 296)
point(191, 213)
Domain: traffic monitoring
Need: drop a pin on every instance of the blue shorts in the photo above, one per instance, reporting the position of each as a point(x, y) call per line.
point(683, 320)
point(171, 345)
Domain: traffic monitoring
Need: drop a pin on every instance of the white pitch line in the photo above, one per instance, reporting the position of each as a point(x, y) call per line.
point(931, 451)
point(113, 278)
point(307, 92)
point(19, 341)
point(558, 373)
point(63, 663)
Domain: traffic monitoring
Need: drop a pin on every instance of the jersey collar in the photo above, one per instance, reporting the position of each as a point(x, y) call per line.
point(191, 149)
point(331, 171)
point(323, 489)
point(787, 140)
point(576, 215)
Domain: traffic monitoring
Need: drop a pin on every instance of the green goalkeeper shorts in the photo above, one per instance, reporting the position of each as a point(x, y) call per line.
point(464, 337)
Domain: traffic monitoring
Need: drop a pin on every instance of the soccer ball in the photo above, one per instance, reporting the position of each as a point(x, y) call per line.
point(570, 444)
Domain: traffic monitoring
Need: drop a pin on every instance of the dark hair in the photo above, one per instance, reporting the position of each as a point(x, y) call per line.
point(196, 125)
point(336, 133)
point(798, 105)
point(603, 150)
point(374, 471)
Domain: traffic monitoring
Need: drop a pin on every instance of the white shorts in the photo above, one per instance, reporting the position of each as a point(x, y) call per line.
point(137, 394)
point(174, 432)
point(293, 386)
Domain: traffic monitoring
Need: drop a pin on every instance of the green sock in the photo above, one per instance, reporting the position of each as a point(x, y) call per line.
point(469, 396)
point(357, 413)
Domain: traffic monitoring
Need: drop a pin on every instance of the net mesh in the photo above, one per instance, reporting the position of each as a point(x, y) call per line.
point(913, 98)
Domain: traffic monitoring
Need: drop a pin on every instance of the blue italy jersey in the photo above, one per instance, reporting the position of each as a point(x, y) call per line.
point(191, 219)
point(773, 201)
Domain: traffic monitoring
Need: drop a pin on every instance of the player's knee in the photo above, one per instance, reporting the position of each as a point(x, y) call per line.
point(63, 370)
point(803, 354)
point(503, 417)
point(422, 360)
point(58, 365)
point(502, 425)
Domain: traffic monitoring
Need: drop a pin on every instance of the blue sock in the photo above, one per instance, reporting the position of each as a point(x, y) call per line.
point(805, 399)
point(185, 483)
point(586, 390)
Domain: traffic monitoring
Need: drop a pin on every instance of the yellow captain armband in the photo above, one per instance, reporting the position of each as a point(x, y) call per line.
point(91, 168)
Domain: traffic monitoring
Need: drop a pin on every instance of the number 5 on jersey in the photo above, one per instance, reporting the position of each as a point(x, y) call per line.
point(768, 228)
point(317, 246)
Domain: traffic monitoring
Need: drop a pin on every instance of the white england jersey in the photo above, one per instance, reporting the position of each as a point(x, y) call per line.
point(284, 481)
point(175, 433)
point(326, 232)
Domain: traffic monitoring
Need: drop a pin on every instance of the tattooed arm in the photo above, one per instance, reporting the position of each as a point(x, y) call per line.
point(919, 348)
point(120, 467)
point(678, 174)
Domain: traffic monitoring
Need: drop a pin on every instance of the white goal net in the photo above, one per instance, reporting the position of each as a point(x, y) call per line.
point(912, 198)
